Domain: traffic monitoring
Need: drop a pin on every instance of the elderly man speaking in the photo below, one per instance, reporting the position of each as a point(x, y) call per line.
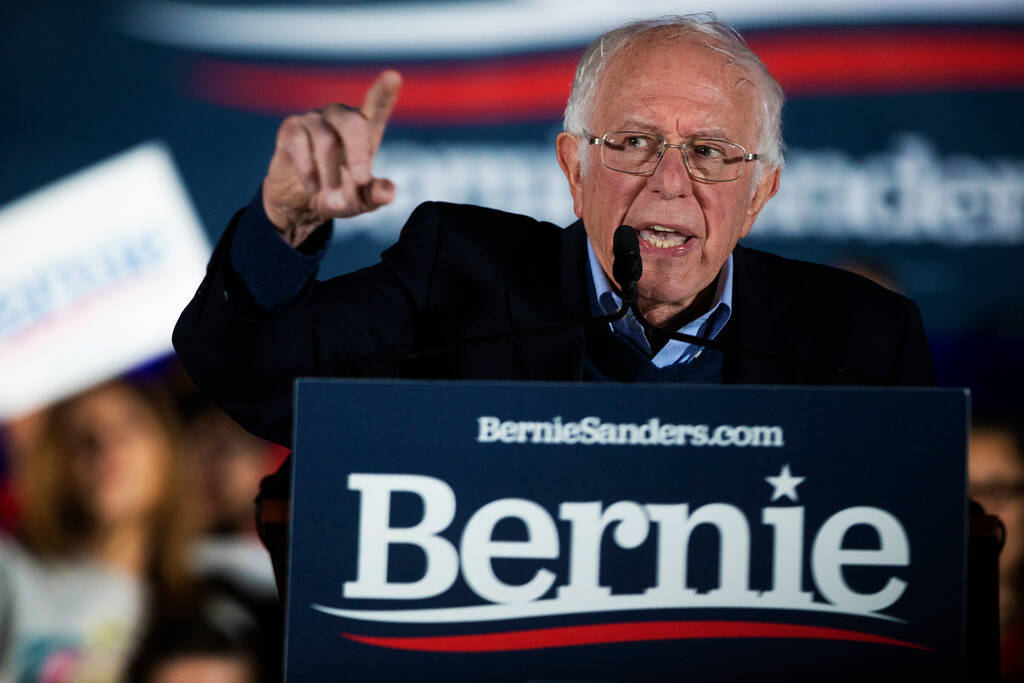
point(672, 128)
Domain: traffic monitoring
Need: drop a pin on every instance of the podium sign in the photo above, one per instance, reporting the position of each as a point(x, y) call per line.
point(543, 532)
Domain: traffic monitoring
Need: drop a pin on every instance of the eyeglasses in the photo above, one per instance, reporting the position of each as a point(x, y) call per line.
point(707, 159)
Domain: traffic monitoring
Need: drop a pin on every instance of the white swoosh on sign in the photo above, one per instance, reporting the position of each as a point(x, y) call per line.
point(556, 606)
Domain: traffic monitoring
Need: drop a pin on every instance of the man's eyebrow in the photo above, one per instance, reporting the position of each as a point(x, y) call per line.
point(647, 126)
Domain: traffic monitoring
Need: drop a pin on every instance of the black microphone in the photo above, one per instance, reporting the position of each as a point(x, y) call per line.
point(627, 266)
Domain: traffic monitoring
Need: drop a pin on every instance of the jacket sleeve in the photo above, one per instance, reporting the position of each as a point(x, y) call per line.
point(244, 343)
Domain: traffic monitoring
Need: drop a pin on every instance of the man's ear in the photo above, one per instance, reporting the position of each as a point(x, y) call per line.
point(765, 190)
point(568, 149)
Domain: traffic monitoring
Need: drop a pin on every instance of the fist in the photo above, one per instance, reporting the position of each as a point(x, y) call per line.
point(322, 163)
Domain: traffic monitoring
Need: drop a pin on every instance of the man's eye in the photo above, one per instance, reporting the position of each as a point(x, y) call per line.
point(708, 151)
point(638, 142)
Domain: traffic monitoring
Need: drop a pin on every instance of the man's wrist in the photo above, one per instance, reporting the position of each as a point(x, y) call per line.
point(293, 228)
point(273, 272)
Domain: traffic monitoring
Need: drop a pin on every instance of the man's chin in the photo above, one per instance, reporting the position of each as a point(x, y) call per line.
point(672, 294)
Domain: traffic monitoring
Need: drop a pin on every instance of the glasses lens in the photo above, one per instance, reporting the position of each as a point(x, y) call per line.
point(630, 151)
point(714, 159)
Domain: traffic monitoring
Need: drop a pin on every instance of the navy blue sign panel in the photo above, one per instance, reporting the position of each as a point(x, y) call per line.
point(541, 532)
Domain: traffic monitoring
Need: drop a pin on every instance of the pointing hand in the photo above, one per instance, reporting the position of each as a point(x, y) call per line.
point(322, 163)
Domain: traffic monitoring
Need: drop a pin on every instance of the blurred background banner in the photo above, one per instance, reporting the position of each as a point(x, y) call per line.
point(96, 268)
point(904, 154)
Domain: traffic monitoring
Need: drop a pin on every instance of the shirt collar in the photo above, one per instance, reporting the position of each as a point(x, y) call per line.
point(675, 351)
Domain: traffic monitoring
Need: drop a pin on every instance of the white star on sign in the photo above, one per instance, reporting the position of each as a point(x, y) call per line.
point(785, 484)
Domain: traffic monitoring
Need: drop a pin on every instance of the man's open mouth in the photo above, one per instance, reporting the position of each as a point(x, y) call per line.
point(663, 237)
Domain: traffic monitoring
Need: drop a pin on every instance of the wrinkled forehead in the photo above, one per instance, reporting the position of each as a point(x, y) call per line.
point(661, 63)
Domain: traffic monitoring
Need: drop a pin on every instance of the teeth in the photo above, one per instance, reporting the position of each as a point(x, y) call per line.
point(663, 238)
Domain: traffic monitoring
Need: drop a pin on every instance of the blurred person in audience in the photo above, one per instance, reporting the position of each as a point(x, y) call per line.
point(17, 437)
point(230, 463)
point(996, 473)
point(103, 536)
point(197, 650)
point(226, 464)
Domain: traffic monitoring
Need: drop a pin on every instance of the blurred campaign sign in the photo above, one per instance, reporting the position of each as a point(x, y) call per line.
point(516, 532)
point(96, 269)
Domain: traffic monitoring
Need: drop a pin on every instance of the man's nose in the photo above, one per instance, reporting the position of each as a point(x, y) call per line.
point(671, 179)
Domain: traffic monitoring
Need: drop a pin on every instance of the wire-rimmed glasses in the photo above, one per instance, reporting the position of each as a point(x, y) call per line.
point(638, 153)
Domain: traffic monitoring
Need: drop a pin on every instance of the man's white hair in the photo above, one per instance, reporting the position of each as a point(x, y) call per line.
point(703, 29)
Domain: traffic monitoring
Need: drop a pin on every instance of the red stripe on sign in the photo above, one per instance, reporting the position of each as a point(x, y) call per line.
point(878, 61)
point(625, 632)
point(532, 88)
point(466, 93)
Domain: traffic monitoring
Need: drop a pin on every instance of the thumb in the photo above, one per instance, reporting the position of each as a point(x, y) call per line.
point(379, 192)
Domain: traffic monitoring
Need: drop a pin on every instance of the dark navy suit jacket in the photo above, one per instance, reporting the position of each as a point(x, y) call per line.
point(459, 272)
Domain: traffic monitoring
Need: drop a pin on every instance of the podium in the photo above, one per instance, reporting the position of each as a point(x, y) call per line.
point(463, 531)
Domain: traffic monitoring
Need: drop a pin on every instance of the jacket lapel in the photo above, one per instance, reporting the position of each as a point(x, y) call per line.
point(763, 318)
point(557, 291)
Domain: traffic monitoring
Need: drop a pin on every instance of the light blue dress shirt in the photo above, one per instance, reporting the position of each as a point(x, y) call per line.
point(707, 326)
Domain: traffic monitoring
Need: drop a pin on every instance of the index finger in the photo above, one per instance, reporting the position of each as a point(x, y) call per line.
point(380, 99)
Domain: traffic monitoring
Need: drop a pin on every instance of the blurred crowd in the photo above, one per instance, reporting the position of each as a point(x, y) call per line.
point(129, 549)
